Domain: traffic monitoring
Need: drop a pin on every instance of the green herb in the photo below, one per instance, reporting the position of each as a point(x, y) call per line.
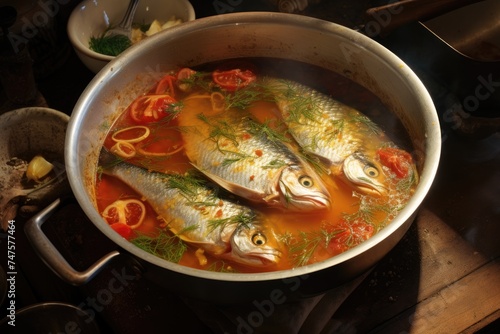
point(221, 267)
point(186, 184)
point(237, 157)
point(187, 229)
point(299, 104)
point(275, 164)
point(302, 250)
point(406, 184)
point(243, 218)
point(165, 246)
point(221, 129)
point(264, 129)
point(370, 126)
point(109, 45)
point(243, 98)
point(198, 80)
point(315, 162)
point(337, 127)
point(368, 206)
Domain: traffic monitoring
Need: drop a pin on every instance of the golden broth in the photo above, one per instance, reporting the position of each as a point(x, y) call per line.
point(305, 237)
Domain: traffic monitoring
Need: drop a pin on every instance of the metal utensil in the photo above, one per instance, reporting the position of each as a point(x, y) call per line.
point(125, 25)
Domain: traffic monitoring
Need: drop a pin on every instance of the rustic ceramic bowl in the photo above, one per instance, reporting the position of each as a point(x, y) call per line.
point(92, 17)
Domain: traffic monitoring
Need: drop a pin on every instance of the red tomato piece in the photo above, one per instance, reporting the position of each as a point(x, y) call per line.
point(166, 85)
point(348, 235)
point(234, 79)
point(397, 160)
point(151, 108)
point(183, 75)
point(130, 212)
point(122, 229)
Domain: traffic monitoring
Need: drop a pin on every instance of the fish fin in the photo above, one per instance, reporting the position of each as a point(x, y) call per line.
point(335, 169)
point(247, 193)
point(210, 247)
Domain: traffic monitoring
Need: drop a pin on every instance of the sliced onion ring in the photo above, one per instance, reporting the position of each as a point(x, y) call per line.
point(197, 96)
point(124, 149)
point(132, 140)
point(218, 102)
point(142, 151)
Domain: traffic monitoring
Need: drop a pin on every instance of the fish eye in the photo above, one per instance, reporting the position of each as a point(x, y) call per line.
point(259, 239)
point(306, 181)
point(371, 171)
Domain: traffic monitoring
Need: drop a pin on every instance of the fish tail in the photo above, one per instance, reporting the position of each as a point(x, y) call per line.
point(107, 160)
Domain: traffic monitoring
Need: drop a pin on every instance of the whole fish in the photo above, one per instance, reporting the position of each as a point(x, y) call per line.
point(195, 213)
point(366, 175)
point(232, 149)
point(339, 135)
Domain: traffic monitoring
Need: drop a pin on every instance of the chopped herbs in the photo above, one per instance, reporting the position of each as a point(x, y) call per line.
point(165, 246)
point(109, 45)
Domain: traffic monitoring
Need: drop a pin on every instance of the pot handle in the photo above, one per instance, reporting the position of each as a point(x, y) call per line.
point(397, 13)
point(52, 257)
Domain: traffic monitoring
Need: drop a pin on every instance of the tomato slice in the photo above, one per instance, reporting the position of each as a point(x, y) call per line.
point(130, 212)
point(122, 229)
point(151, 108)
point(166, 85)
point(183, 76)
point(349, 235)
point(397, 160)
point(234, 79)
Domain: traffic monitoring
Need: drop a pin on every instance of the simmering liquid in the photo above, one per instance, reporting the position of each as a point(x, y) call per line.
point(304, 237)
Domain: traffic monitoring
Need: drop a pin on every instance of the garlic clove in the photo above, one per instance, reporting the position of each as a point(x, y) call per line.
point(38, 168)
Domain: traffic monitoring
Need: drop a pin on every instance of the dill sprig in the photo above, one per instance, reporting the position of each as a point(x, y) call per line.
point(336, 130)
point(314, 161)
point(368, 207)
point(369, 125)
point(198, 80)
point(240, 219)
point(236, 157)
point(220, 129)
point(264, 129)
point(187, 184)
point(165, 246)
point(303, 248)
point(299, 104)
point(276, 163)
point(243, 98)
point(406, 185)
point(109, 45)
point(187, 229)
point(221, 267)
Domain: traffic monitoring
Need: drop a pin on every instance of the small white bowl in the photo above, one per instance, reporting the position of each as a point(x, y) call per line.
point(92, 17)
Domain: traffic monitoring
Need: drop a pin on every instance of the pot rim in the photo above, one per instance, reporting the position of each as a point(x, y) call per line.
point(429, 167)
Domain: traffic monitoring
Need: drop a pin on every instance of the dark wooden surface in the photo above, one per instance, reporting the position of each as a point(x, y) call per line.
point(443, 277)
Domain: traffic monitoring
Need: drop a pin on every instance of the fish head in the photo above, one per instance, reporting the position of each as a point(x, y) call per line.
point(365, 174)
point(255, 245)
point(302, 189)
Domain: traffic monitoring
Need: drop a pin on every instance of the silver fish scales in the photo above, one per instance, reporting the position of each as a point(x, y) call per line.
point(341, 136)
point(194, 212)
point(229, 149)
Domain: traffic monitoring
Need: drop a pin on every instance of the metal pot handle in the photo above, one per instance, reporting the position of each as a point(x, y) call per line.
point(52, 257)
